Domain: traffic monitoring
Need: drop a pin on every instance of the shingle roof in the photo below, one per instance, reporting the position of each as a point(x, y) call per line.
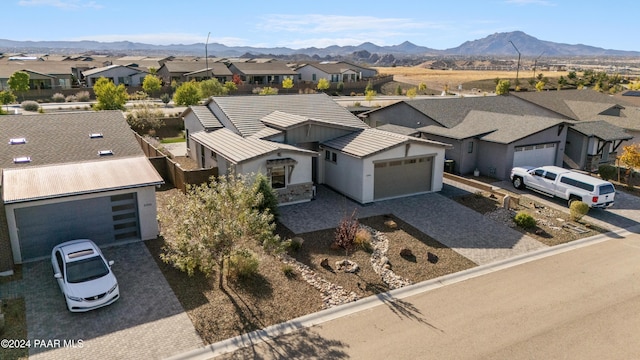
point(283, 120)
point(557, 100)
point(601, 129)
point(494, 127)
point(237, 149)
point(204, 115)
point(64, 137)
point(403, 130)
point(245, 112)
point(185, 66)
point(46, 182)
point(368, 142)
point(267, 132)
point(218, 69)
point(267, 68)
point(451, 111)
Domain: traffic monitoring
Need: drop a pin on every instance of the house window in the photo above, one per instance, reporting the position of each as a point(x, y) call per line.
point(470, 147)
point(327, 155)
point(278, 177)
point(330, 156)
point(313, 77)
point(334, 157)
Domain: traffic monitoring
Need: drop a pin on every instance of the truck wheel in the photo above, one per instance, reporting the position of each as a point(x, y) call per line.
point(572, 199)
point(517, 183)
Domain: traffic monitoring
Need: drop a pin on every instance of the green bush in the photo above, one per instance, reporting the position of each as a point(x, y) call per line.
point(295, 244)
point(607, 171)
point(30, 105)
point(577, 210)
point(243, 264)
point(524, 220)
point(58, 98)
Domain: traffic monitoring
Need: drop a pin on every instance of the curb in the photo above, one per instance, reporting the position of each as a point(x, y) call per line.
point(259, 336)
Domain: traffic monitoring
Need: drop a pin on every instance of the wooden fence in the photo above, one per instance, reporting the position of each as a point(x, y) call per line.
point(171, 171)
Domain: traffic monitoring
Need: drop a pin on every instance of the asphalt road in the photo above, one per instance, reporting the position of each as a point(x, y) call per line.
point(579, 304)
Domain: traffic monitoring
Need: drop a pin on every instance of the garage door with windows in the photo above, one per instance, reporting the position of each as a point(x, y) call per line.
point(104, 220)
point(402, 177)
point(535, 155)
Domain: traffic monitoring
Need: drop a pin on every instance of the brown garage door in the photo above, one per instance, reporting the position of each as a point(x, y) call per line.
point(402, 177)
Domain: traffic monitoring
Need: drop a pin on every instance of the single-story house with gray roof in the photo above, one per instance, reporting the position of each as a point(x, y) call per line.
point(302, 140)
point(70, 176)
point(494, 143)
point(118, 74)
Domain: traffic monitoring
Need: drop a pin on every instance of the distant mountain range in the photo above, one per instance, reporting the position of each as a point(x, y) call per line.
point(493, 45)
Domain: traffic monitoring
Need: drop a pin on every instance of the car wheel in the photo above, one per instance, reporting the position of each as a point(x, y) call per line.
point(517, 183)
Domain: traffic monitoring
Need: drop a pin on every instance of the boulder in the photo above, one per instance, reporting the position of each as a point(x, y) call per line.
point(431, 257)
point(324, 263)
point(406, 253)
point(391, 224)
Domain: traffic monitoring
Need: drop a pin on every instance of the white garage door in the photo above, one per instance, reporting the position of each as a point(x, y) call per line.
point(535, 155)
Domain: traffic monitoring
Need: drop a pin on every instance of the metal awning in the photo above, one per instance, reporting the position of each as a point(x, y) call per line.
point(281, 162)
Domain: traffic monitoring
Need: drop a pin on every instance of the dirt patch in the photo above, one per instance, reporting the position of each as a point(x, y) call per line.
point(14, 311)
point(276, 295)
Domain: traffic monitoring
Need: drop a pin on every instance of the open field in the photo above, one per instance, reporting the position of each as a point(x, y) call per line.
point(481, 79)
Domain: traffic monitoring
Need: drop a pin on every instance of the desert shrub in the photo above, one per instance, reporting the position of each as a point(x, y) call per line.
point(70, 98)
point(363, 239)
point(577, 210)
point(357, 103)
point(82, 96)
point(243, 264)
point(138, 95)
point(294, 244)
point(58, 98)
point(30, 105)
point(346, 231)
point(524, 220)
point(607, 171)
point(288, 271)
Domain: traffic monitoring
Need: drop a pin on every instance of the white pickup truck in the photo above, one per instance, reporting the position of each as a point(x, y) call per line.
point(555, 181)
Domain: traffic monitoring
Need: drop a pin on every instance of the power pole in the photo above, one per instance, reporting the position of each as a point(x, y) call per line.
point(518, 66)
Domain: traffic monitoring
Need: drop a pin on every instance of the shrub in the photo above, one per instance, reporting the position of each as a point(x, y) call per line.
point(243, 264)
point(288, 271)
point(82, 96)
point(345, 235)
point(524, 220)
point(58, 97)
point(577, 210)
point(70, 98)
point(30, 105)
point(607, 171)
point(295, 244)
point(363, 239)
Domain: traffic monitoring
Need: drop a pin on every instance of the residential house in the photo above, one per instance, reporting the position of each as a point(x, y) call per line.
point(494, 143)
point(218, 71)
point(54, 77)
point(302, 140)
point(333, 71)
point(69, 176)
point(118, 74)
point(175, 70)
point(262, 73)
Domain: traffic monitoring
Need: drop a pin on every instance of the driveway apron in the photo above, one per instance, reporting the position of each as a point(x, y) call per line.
point(469, 233)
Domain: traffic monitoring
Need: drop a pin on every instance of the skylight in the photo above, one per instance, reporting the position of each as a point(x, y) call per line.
point(16, 141)
point(22, 160)
point(96, 135)
point(105, 152)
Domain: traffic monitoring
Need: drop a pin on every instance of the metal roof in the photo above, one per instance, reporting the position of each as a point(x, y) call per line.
point(283, 120)
point(245, 112)
point(368, 142)
point(267, 132)
point(237, 149)
point(55, 181)
point(403, 130)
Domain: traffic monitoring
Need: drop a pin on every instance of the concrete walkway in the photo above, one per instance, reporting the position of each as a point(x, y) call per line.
point(469, 233)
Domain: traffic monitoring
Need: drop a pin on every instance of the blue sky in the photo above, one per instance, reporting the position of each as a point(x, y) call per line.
point(300, 24)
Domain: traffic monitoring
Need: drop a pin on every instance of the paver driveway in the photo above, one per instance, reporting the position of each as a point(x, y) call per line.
point(147, 322)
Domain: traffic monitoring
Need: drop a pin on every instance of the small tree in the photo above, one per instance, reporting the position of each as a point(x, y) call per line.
point(369, 86)
point(212, 87)
point(269, 197)
point(6, 98)
point(540, 85)
point(287, 83)
point(323, 84)
point(398, 90)
point(230, 86)
point(187, 94)
point(411, 93)
point(422, 86)
point(503, 87)
point(631, 159)
point(268, 90)
point(151, 84)
point(109, 96)
point(215, 220)
point(165, 98)
point(346, 232)
point(19, 82)
point(369, 95)
point(236, 79)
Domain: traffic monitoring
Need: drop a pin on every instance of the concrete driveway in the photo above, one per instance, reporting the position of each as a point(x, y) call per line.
point(147, 322)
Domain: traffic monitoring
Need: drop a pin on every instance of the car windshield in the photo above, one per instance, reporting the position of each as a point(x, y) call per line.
point(606, 189)
point(86, 269)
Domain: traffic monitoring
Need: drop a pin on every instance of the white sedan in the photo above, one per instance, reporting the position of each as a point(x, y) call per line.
point(84, 275)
